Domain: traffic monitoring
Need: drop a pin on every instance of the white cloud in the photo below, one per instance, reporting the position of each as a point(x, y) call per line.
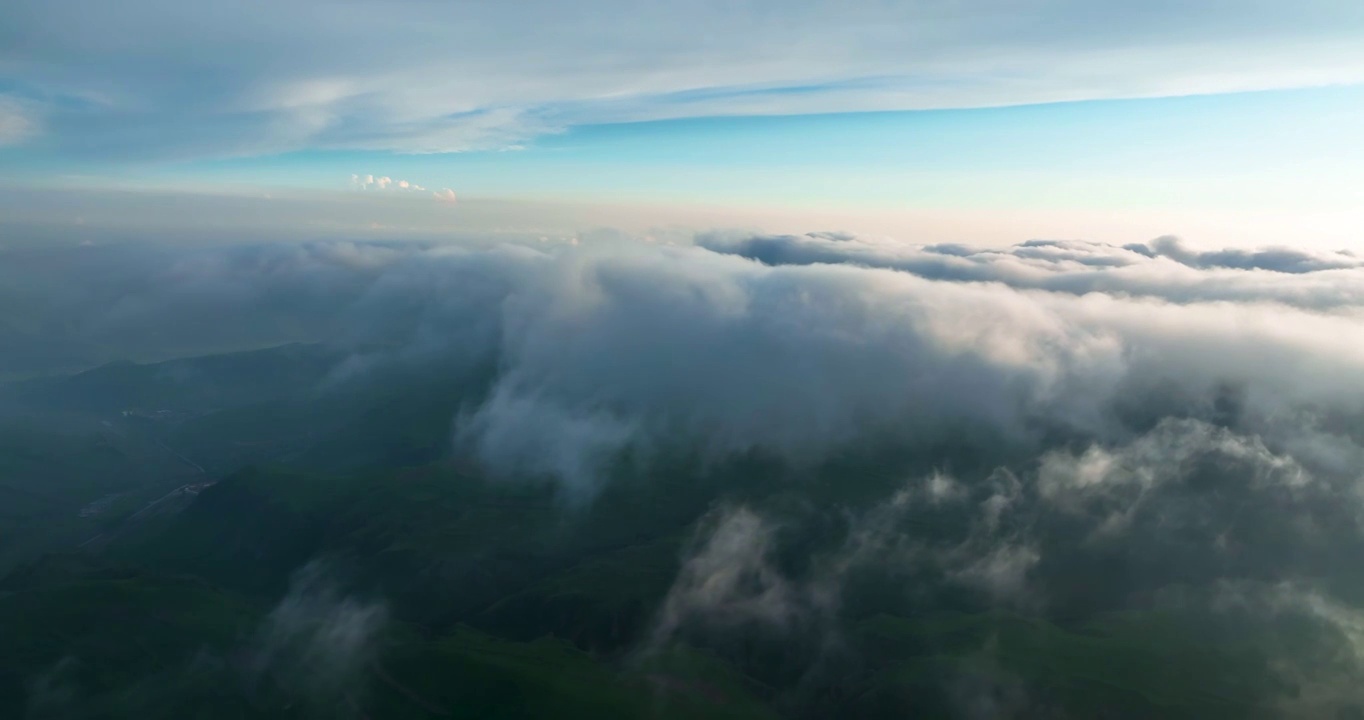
point(443, 78)
point(318, 638)
point(800, 360)
point(18, 121)
point(607, 344)
point(575, 447)
point(728, 579)
point(445, 195)
point(382, 183)
point(1003, 572)
point(1164, 268)
point(1136, 422)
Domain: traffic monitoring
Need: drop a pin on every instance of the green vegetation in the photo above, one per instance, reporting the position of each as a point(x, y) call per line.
point(1136, 665)
point(449, 594)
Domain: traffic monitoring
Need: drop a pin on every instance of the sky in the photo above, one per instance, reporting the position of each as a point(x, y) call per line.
point(1226, 123)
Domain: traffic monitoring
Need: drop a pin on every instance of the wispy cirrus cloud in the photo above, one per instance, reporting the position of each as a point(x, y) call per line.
point(182, 80)
point(18, 121)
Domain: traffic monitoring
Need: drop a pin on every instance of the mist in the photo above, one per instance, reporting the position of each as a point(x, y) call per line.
point(1062, 430)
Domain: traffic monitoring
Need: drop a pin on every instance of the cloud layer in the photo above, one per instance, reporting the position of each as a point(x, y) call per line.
point(1070, 428)
point(1164, 268)
point(796, 346)
point(154, 78)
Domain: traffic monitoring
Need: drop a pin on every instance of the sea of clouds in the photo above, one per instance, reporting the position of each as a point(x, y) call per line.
point(1149, 417)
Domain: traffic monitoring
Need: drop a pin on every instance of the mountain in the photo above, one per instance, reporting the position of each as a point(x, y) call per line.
point(280, 551)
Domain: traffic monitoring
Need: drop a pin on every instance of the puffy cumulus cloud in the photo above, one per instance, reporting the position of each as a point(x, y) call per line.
point(445, 195)
point(383, 182)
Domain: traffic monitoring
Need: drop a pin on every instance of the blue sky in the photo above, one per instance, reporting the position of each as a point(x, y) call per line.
point(1231, 144)
point(1194, 113)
